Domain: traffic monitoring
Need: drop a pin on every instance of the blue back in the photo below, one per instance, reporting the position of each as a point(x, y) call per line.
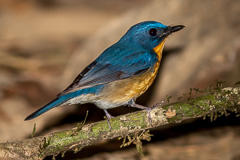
point(132, 55)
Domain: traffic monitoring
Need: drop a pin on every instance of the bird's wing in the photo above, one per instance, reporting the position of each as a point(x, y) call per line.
point(108, 68)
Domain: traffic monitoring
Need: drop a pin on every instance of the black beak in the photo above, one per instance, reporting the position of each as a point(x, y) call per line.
point(170, 29)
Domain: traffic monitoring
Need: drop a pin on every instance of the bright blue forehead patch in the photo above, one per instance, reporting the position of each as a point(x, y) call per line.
point(149, 24)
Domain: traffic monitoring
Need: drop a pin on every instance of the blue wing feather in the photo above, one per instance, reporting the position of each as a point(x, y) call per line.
point(110, 67)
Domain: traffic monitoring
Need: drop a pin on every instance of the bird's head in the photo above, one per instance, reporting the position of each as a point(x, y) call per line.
point(149, 34)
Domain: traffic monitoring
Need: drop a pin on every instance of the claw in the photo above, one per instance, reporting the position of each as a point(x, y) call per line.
point(149, 115)
point(156, 105)
point(108, 121)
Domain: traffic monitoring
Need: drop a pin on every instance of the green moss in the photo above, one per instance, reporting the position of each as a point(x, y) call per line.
point(210, 105)
point(62, 139)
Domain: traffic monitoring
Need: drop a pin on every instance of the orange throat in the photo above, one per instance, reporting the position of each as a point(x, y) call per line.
point(159, 48)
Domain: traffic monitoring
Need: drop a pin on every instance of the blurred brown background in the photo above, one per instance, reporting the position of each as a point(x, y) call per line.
point(44, 44)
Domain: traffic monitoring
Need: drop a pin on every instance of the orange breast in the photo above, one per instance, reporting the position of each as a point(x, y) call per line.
point(131, 88)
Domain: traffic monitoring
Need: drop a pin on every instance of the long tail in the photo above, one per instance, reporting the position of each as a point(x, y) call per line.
point(56, 102)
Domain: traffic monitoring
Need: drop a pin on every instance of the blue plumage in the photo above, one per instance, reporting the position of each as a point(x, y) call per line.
point(121, 73)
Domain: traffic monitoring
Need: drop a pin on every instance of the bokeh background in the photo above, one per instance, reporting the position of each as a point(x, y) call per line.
point(44, 44)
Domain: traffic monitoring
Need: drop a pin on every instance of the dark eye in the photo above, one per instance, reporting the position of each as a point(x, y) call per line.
point(153, 32)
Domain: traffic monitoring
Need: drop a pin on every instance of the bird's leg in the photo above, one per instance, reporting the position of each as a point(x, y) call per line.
point(109, 116)
point(132, 103)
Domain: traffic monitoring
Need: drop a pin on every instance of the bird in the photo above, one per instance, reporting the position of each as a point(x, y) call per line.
point(121, 73)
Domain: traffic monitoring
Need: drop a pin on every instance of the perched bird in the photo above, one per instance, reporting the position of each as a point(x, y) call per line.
point(121, 73)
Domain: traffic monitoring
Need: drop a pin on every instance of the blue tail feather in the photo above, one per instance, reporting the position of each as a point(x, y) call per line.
point(54, 103)
point(60, 100)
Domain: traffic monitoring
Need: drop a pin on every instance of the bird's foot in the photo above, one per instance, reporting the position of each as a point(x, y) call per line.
point(109, 116)
point(148, 109)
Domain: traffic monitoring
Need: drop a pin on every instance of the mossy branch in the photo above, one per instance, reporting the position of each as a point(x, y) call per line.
point(213, 103)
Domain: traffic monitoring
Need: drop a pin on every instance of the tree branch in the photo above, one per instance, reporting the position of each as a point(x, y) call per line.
point(213, 103)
